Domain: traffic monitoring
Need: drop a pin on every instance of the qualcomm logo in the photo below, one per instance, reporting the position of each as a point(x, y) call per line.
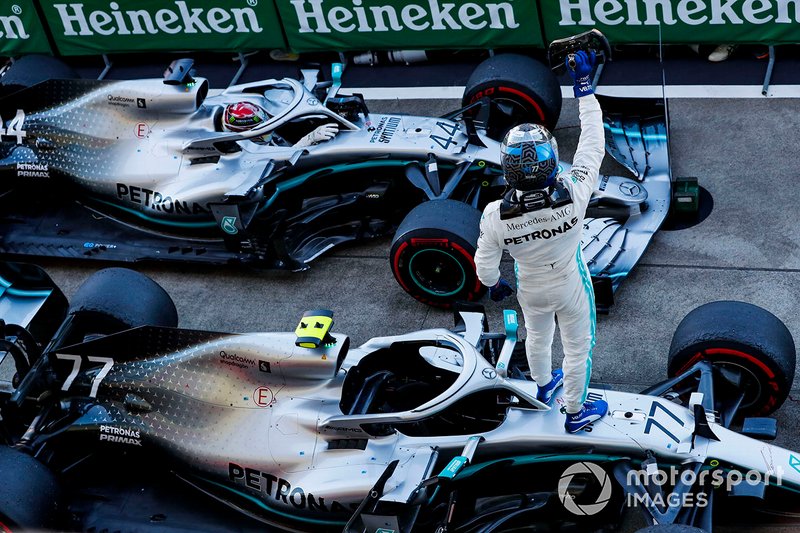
point(584, 469)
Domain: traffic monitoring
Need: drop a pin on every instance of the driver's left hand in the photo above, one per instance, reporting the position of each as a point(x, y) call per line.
point(582, 73)
point(323, 133)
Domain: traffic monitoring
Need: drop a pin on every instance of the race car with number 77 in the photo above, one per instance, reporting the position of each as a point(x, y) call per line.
point(115, 419)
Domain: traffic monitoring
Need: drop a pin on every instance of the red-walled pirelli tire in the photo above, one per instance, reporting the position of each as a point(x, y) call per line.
point(744, 337)
point(433, 250)
point(524, 88)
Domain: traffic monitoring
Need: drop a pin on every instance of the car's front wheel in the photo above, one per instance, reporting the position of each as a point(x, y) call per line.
point(432, 253)
point(744, 340)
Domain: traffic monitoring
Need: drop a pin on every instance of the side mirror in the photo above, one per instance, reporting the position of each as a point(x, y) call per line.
point(337, 69)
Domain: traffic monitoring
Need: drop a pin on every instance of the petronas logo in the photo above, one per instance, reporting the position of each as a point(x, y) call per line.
point(228, 225)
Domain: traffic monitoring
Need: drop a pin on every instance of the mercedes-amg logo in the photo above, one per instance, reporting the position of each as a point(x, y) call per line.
point(568, 500)
point(629, 189)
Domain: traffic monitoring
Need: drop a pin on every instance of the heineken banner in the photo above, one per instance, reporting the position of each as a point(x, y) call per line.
point(21, 30)
point(102, 26)
point(408, 24)
point(677, 21)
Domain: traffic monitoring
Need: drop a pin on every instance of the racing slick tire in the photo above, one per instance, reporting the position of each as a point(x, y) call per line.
point(29, 492)
point(432, 253)
point(741, 335)
point(120, 298)
point(524, 87)
point(27, 71)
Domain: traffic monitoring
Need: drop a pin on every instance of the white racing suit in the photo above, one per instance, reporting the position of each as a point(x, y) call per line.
point(552, 277)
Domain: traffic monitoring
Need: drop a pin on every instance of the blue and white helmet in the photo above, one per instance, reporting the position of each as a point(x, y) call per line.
point(530, 157)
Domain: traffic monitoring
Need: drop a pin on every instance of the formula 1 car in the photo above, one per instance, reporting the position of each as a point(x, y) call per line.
point(145, 170)
point(158, 428)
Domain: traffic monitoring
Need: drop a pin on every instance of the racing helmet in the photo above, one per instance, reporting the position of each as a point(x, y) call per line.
point(529, 157)
point(243, 116)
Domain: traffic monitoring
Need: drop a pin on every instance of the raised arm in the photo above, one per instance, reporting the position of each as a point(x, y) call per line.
point(591, 145)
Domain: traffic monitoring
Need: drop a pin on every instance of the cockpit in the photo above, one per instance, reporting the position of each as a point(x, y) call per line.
point(425, 387)
point(284, 111)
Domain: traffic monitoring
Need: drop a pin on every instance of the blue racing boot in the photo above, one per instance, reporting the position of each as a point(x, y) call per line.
point(545, 393)
point(590, 412)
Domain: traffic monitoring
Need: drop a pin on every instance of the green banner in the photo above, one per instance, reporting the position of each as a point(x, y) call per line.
point(102, 26)
point(676, 21)
point(21, 30)
point(408, 25)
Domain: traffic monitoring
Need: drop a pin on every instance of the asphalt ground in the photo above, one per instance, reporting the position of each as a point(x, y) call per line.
point(744, 152)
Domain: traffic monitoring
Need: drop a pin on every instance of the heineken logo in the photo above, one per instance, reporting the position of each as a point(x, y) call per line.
point(12, 26)
point(671, 12)
point(364, 16)
point(173, 18)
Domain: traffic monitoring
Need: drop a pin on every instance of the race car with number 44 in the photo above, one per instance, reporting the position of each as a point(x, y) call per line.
point(114, 419)
point(150, 169)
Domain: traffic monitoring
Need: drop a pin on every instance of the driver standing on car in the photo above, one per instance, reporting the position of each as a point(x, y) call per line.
point(539, 221)
point(244, 116)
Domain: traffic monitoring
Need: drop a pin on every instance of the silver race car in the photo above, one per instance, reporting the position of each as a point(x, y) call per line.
point(152, 170)
point(108, 428)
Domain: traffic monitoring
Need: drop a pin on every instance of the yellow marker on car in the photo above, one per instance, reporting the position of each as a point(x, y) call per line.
point(314, 329)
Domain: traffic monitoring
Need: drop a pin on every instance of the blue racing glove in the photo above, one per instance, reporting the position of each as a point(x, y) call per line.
point(582, 72)
point(500, 291)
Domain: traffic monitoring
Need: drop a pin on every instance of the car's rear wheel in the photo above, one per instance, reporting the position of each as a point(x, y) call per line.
point(520, 90)
point(27, 71)
point(432, 253)
point(116, 299)
point(29, 492)
point(743, 338)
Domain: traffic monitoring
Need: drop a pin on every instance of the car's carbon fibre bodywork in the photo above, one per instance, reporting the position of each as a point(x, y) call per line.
point(300, 437)
point(141, 170)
